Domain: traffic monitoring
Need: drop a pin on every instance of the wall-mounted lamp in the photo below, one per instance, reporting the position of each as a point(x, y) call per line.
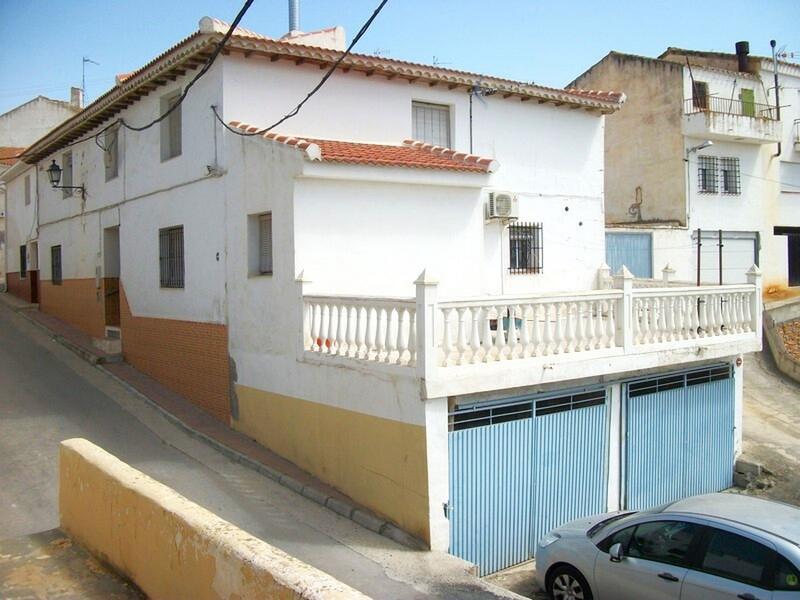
point(54, 174)
point(705, 144)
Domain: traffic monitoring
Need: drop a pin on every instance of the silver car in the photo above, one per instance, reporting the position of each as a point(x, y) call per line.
point(702, 548)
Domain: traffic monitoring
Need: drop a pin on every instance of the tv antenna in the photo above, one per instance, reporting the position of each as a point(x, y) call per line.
point(86, 59)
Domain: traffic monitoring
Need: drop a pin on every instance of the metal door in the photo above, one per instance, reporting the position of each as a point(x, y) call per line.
point(679, 436)
point(519, 468)
point(634, 250)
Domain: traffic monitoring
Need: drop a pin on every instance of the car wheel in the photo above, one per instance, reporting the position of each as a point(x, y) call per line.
point(566, 583)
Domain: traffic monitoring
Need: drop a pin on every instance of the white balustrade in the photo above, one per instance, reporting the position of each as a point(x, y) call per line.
point(488, 330)
point(675, 314)
point(369, 329)
point(482, 331)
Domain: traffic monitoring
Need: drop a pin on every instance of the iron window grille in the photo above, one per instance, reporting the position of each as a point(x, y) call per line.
point(431, 123)
point(730, 178)
point(707, 174)
point(170, 256)
point(525, 245)
point(55, 265)
point(680, 380)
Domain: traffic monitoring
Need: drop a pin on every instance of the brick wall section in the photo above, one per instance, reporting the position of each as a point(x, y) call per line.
point(21, 288)
point(189, 357)
point(77, 302)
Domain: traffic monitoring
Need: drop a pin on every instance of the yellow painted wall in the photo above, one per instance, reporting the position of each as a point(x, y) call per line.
point(170, 547)
point(378, 462)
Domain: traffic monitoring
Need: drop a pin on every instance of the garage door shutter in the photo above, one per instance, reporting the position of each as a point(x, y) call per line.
point(680, 431)
point(520, 468)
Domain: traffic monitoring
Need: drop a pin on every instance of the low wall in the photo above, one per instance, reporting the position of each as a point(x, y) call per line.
point(775, 315)
point(169, 546)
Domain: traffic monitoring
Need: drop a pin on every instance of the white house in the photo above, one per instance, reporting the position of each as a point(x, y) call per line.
point(19, 127)
point(432, 331)
point(665, 181)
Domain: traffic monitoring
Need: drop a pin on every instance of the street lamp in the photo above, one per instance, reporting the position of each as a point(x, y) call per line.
point(54, 174)
point(705, 144)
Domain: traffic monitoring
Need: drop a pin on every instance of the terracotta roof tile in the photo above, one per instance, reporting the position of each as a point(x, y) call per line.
point(10, 154)
point(410, 153)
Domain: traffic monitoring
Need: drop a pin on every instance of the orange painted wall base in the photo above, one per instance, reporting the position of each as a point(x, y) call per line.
point(189, 357)
point(77, 302)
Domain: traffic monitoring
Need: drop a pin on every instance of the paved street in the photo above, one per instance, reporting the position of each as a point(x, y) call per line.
point(49, 394)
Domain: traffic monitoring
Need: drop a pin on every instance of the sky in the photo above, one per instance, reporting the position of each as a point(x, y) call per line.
point(42, 42)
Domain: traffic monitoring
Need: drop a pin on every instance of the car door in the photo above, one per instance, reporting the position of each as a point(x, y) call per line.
point(654, 562)
point(730, 566)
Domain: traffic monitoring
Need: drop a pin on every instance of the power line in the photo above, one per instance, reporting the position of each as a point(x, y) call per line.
point(315, 89)
point(175, 105)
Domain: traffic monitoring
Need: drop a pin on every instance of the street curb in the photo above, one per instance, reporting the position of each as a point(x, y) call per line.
point(357, 514)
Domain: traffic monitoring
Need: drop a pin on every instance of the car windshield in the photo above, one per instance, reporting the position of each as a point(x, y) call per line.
point(602, 526)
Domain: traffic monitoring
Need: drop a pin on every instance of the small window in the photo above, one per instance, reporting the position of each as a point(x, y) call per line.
point(170, 256)
point(700, 94)
point(66, 175)
point(525, 247)
point(27, 190)
point(736, 557)
point(23, 262)
point(111, 153)
point(171, 126)
point(663, 541)
point(730, 180)
point(55, 265)
point(707, 174)
point(431, 123)
point(265, 243)
point(787, 576)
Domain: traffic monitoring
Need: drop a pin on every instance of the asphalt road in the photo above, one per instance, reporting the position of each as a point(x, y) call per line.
point(47, 394)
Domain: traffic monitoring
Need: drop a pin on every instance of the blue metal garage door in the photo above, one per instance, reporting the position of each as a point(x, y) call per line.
point(519, 468)
point(634, 250)
point(680, 430)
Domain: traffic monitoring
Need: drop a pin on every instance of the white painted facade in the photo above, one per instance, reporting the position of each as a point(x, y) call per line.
point(366, 231)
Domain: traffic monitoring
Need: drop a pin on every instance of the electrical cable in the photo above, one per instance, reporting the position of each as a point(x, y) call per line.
point(315, 89)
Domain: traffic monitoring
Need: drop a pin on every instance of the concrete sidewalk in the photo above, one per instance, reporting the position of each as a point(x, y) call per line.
point(200, 424)
point(49, 565)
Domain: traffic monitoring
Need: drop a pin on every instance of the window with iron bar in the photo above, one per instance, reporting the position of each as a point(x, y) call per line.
point(431, 123)
point(525, 247)
point(170, 256)
point(730, 180)
point(23, 261)
point(265, 243)
point(55, 265)
point(707, 174)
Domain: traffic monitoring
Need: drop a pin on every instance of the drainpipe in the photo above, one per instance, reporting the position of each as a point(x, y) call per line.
point(777, 93)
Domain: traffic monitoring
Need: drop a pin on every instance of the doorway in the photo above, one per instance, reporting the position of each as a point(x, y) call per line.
point(111, 275)
point(794, 260)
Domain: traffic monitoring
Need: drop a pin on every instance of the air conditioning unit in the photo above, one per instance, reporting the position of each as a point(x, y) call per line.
point(502, 205)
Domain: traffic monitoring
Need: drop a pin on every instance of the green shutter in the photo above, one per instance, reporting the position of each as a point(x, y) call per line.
point(748, 102)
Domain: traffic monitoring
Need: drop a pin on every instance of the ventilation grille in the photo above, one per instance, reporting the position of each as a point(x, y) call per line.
point(681, 380)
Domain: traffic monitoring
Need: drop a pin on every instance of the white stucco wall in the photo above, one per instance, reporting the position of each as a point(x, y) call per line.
point(23, 125)
point(21, 219)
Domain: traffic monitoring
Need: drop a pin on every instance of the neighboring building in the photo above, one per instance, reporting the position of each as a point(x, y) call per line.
point(20, 127)
point(431, 331)
point(662, 185)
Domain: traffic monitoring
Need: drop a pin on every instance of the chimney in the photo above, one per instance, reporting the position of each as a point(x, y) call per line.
point(294, 15)
point(76, 97)
point(742, 50)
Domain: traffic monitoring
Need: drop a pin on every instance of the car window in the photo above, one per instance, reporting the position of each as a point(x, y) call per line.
point(663, 541)
point(622, 536)
point(736, 557)
point(787, 577)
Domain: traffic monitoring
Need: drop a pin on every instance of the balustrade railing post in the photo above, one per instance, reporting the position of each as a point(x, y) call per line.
point(427, 359)
point(754, 278)
point(303, 324)
point(624, 319)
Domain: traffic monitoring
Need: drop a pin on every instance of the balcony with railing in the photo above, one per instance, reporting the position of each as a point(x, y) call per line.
point(727, 119)
point(476, 345)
